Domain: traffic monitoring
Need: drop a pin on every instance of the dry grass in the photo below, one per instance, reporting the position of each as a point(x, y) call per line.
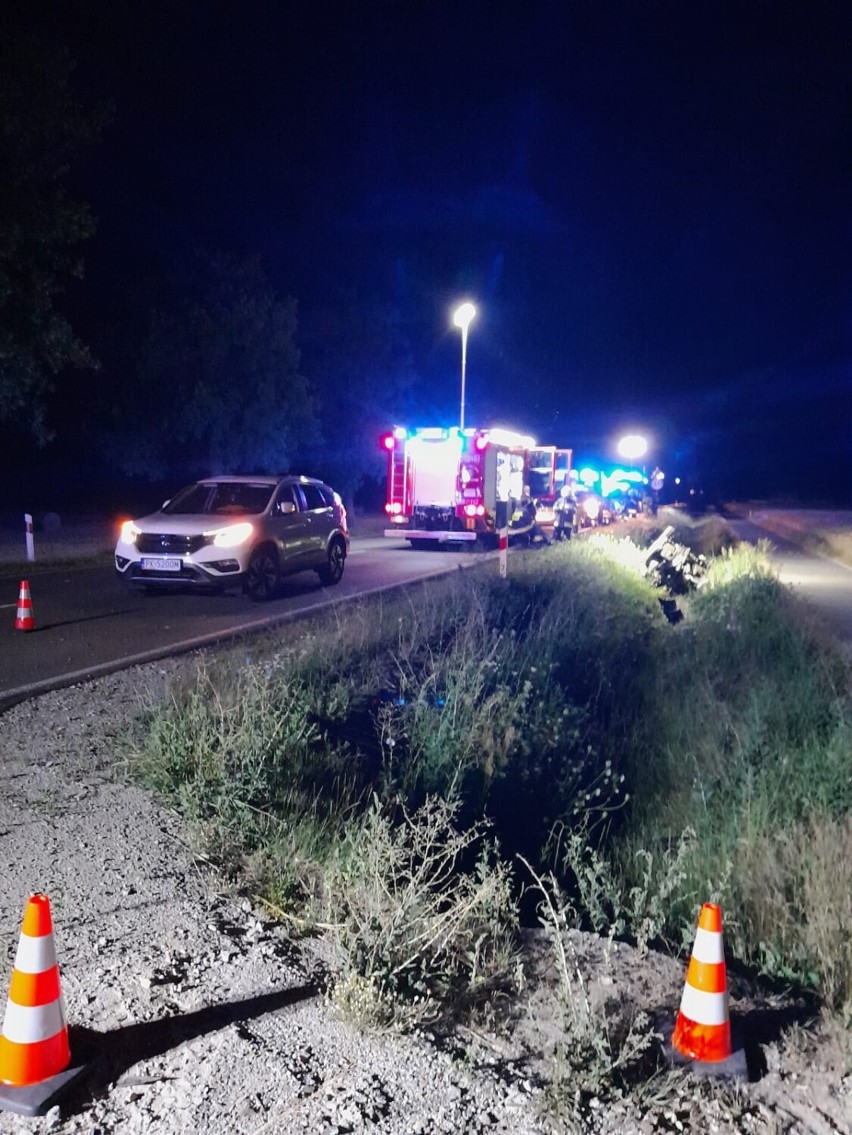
point(838, 543)
point(797, 900)
point(828, 533)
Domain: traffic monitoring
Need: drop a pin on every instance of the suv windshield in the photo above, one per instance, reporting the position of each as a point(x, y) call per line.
point(230, 498)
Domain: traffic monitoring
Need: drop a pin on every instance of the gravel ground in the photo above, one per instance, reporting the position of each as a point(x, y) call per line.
point(198, 1013)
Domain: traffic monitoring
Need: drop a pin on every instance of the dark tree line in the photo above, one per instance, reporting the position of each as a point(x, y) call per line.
point(208, 379)
point(211, 371)
point(223, 375)
point(42, 229)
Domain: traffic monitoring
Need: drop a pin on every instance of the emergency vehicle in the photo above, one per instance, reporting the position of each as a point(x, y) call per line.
point(460, 486)
point(550, 469)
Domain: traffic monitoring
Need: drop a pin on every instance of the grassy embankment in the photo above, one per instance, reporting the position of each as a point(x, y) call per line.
point(824, 531)
point(393, 777)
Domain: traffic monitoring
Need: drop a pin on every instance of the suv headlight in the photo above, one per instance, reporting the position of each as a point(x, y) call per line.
point(129, 532)
point(230, 537)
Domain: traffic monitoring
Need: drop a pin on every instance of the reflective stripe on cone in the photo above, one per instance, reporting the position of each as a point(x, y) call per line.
point(31, 1024)
point(35, 955)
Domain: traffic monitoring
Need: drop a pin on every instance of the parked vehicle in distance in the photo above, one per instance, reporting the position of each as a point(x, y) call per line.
point(237, 532)
point(593, 510)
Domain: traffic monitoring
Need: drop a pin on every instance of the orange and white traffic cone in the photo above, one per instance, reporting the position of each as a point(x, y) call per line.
point(702, 1032)
point(34, 1048)
point(24, 620)
point(703, 1028)
point(34, 1044)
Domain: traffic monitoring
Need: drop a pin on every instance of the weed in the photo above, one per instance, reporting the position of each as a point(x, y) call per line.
point(241, 757)
point(739, 561)
point(604, 1043)
point(413, 927)
point(795, 903)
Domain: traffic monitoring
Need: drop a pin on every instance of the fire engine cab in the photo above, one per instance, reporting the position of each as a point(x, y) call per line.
point(453, 485)
point(550, 470)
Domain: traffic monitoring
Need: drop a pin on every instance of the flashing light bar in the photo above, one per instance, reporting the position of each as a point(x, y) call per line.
point(499, 436)
point(618, 480)
point(432, 434)
point(502, 436)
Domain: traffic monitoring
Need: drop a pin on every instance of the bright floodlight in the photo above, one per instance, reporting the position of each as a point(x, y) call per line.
point(632, 447)
point(463, 315)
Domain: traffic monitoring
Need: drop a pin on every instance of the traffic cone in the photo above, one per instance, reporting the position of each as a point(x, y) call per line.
point(702, 1032)
point(34, 1044)
point(703, 1028)
point(24, 620)
point(34, 1049)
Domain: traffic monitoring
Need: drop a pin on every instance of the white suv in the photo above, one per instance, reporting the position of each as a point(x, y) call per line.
point(244, 532)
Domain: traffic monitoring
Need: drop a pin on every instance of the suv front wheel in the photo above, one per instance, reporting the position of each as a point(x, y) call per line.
point(264, 575)
point(331, 571)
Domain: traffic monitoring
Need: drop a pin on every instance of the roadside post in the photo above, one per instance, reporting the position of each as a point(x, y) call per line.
point(501, 515)
point(28, 526)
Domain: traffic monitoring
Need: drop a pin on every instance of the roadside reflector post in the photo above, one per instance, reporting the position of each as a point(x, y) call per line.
point(501, 523)
point(28, 528)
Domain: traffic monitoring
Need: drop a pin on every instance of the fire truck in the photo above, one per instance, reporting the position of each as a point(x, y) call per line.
point(550, 469)
point(448, 486)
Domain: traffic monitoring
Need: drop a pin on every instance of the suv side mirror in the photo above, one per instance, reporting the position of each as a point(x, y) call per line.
point(286, 507)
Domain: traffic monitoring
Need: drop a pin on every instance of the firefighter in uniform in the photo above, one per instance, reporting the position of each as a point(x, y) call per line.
point(565, 512)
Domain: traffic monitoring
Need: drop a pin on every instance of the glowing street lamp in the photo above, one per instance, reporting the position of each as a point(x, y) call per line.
point(632, 447)
point(462, 317)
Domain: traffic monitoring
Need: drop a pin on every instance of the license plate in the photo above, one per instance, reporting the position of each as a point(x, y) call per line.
point(160, 565)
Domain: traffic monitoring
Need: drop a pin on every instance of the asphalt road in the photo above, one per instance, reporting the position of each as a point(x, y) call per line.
point(87, 623)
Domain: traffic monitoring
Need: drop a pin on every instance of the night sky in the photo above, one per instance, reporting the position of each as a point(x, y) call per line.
point(649, 202)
